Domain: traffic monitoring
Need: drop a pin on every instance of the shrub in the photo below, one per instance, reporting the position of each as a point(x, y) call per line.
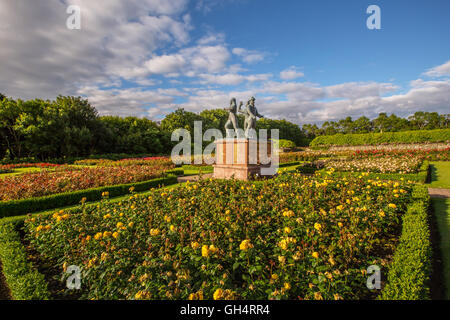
point(410, 271)
point(23, 280)
point(417, 136)
point(288, 144)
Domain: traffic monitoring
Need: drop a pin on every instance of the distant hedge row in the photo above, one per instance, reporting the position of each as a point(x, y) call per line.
point(410, 271)
point(24, 206)
point(416, 136)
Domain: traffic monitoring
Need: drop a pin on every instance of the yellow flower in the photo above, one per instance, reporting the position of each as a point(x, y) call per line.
point(274, 276)
point(283, 244)
point(287, 230)
point(245, 245)
point(315, 254)
point(340, 207)
point(172, 228)
point(212, 249)
point(98, 236)
point(131, 224)
point(115, 235)
point(205, 251)
point(287, 285)
point(282, 259)
point(107, 234)
point(340, 225)
point(194, 245)
point(154, 232)
point(392, 205)
point(218, 294)
point(381, 214)
point(318, 296)
point(119, 225)
point(317, 226)
point(288, 213)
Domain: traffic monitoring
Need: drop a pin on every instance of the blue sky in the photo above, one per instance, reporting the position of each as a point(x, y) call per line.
point(306, 61)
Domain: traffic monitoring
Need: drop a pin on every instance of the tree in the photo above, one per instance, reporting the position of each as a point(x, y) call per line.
point(180, 119)
point(362, 125)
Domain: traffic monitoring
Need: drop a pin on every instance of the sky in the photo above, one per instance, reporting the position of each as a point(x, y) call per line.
point(303, 61)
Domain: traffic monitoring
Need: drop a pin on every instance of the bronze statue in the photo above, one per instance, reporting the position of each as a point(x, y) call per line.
point(250, 113)
point(232, 117)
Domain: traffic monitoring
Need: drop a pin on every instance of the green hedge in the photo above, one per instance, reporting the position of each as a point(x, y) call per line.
point(416, 136)
point(410, 271)
point(18, 207)
point(23, 280)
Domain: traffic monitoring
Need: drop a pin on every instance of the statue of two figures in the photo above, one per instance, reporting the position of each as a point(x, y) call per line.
point(250, 113)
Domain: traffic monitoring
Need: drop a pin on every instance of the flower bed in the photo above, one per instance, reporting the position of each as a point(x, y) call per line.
point(67, 179)
point(148, 161)
point(382, 164)
point(292, 237)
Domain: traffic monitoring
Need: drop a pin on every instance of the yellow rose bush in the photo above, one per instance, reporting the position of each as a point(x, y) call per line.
point(291, 237)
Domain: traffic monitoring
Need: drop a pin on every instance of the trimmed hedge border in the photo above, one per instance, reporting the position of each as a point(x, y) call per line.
point(409, 274)
point(18, 207)
point(358, 139)
point(23, 279)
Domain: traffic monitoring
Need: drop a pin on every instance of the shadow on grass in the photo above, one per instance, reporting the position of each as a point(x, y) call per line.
point(440, 233)
point(434, 176)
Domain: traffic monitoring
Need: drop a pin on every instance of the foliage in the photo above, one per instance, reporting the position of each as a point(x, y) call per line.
point(386, 137)
point(293, 237)
point(18, 207)
point(71, 127)
point(284, 143)
point(23, 280)
point(70, 178)
point(383, 123)
point(386, 164)
point(410, 272)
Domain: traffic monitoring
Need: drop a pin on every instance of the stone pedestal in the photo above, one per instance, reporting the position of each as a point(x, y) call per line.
point(240, 158)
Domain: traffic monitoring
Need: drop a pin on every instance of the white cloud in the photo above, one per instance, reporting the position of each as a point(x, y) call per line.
point(126, 102)
point(249, 56)
point(165, 64)
point(40, 57)
point(439, 71)
point(232, 78)
point(291, 73)
point(355, 90)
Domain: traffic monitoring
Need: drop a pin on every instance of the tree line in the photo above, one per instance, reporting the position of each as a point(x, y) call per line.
point(383, 123)
point(69, 127)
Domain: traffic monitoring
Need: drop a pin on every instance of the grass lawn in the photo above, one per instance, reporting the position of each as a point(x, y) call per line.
point(442, 212)
point(20, 171)
point(440, 174)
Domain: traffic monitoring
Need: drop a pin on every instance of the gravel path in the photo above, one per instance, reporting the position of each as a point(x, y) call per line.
point(195, 178)
point(439, 193)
